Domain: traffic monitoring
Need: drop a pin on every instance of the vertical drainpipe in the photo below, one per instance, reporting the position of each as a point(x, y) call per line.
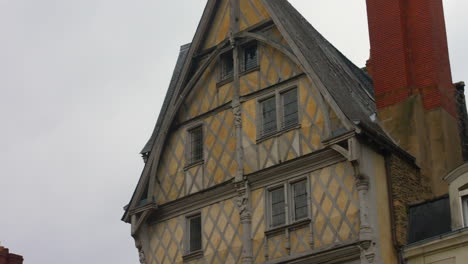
point(241, 184)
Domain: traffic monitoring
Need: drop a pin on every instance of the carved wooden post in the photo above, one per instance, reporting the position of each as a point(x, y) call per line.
point(365, 231)
point(243, 203)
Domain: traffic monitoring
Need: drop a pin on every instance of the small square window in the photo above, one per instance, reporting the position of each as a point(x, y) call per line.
point(278, 212)
point(465, 209)
point(299, 193)
point(268, 118)
point(290, 108)
point(227, 66)
point(250, 57)
point(194, 234)
point(196, 145)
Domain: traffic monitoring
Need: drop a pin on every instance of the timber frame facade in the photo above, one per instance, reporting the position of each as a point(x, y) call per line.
point(337, 147)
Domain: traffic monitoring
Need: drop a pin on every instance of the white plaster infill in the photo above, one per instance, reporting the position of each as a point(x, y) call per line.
point(444, 242)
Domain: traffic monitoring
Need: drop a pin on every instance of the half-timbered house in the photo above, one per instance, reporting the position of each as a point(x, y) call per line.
point(270, 148)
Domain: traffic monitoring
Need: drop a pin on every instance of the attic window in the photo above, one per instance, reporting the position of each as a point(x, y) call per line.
point(227, 66)
point(290, 108)
point(250, 58)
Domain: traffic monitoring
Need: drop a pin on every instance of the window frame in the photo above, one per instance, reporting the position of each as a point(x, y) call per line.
point(283, 110)
point(464, 206)
point(243, 67)
point(293, 202)
point(278, 95)
point(223, 77)
point(260, 115)
point(288, 203)
point(187, 245)
point(190, 161)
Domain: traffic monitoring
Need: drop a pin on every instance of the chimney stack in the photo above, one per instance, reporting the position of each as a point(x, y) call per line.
point(415, 97)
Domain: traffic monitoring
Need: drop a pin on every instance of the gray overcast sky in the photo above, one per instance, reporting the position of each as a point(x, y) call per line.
point(82, 82)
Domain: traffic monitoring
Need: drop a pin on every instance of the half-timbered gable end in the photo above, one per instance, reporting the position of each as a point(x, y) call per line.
point(259, 153)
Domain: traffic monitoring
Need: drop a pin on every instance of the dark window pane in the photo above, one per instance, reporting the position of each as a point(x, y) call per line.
point(250, 57)
point(227, 65)
point(196, 144)
point(195, 233)
point(268, 116)
point(278, 214)
point(300, 200)
point(290, 108)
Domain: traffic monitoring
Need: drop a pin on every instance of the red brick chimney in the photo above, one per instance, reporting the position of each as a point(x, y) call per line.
point(410, 67)
point(7, 258)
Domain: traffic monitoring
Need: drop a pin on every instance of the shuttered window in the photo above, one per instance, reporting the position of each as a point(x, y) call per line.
point(196, 144)
point(278, 213)
point(195, 233)
point(300, 200)
point(268, 118)
point(250, 57)
point(290, 108)
point(227, 66)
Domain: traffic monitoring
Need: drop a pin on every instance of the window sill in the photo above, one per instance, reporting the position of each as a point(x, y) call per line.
point(193, 164)
point(280, 229)
point(224, 82)
point(278, 133)
point(253, 69)
point(230, 79)
point(193, 255)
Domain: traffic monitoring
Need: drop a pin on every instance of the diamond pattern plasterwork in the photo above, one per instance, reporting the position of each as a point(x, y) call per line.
point(219, 165)
point(222, 233)
point(220, 25)
point(170, 183)
point(252, 12)
point(335, 207)
point(258, 225)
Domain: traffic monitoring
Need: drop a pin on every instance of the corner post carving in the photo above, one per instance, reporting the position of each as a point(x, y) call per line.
point(141, 252)
point(243, 204)
point(367, 244)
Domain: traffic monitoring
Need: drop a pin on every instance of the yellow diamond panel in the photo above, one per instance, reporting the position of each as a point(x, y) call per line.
point(219, 25)
point(314, 117)
point(334, 205)
point(300, 240)
point(275, 67)
point(205, 96)
point(166, 241)
point(289, 145)
point(222, 233)
point(258, 225)
point(249, 83)
point(249, 128)
point(220, 145)
point(277, 246)
point(252, 12)
point(170, 183)
point(275, 34)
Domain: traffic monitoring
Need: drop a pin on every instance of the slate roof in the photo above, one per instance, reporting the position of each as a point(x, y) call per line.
point(170, 92)
point(349, 86)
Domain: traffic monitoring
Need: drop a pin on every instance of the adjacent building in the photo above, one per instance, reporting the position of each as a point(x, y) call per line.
point(272, 147)
point(8, 258)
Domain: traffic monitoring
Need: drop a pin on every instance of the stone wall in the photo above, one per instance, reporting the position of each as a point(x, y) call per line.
point(408, 187)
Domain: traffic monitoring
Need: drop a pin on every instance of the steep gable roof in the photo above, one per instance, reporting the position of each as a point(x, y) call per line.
point(169, 94)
